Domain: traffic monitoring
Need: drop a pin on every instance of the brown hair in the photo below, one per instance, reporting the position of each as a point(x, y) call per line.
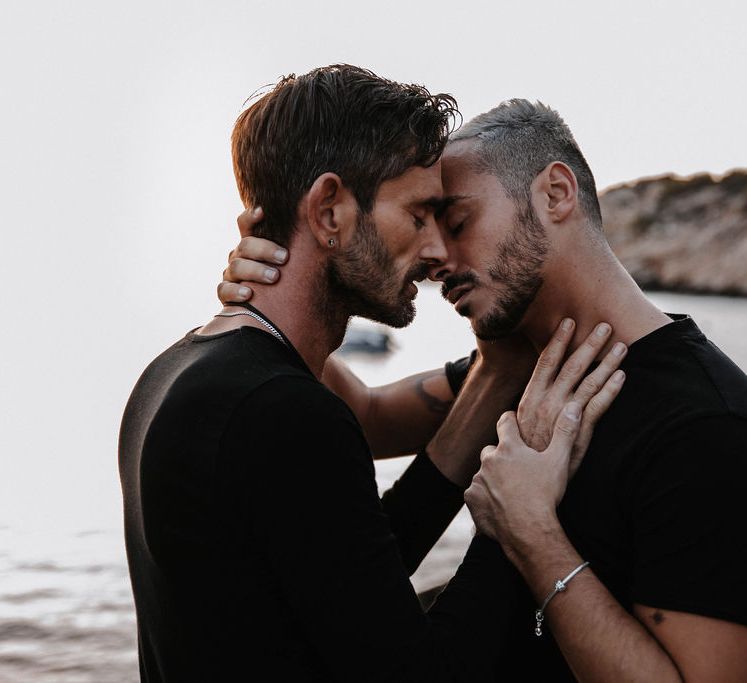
point(340, 119)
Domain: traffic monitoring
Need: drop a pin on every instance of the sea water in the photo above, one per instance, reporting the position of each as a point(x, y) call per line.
point(66, 613)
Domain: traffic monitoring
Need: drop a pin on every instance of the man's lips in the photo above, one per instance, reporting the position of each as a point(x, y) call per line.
point(455, 294)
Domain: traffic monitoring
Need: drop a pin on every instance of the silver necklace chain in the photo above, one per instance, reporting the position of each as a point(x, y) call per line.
point(257, 317)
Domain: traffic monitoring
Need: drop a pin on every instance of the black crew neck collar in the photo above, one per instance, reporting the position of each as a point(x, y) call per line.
point(249, 329)
point(681, 325)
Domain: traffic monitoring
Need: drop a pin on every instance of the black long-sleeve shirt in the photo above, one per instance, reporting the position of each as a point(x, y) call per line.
point(258, 546)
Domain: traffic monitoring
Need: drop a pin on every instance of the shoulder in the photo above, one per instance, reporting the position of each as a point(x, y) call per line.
point(297, 416)
point(676, 376)
point(702, 463)
point(298, 396)
point(722, 377)
point(706, 439)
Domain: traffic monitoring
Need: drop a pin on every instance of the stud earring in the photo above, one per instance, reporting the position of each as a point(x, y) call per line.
point(331, 242)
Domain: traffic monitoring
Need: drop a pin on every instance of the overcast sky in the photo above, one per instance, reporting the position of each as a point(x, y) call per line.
point(118, 201)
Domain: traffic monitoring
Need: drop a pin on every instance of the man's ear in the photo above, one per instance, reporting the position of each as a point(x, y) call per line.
point(557, 190)
point(331, 210)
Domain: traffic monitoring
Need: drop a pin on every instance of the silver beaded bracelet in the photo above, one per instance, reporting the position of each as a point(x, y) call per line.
point(560, 586)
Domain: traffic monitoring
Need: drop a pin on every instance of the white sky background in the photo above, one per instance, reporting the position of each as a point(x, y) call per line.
point(118, 203)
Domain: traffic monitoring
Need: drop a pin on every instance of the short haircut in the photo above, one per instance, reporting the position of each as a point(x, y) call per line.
point(340, 119)
point(518, 139)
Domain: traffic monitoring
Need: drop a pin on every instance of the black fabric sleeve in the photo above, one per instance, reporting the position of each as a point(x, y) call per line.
point(456, 371)
point(689, 522)
point(318, 521)
point(420, 505)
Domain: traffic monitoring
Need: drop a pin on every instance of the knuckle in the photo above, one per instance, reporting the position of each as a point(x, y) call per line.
point(591, 416)
point(254, 247)
point(470, 497)
point(472, 492)
point(566, 426)
point(595, 408)
point(546, 361)
point(590, 385)
point(225, 291)
point(596, 400)
point(244, 248)
point(506, 417)
point(594, 341)
point(573, 366)
point(230, 272)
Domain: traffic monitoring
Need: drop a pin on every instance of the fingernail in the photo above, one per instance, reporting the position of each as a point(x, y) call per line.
point(602, 329)
point(618, 377)
point(281, 255)
point(256, 211)
point(618, 349)
point(573, 411)
point(271, 274)
point(244, 292)
point(567, 324)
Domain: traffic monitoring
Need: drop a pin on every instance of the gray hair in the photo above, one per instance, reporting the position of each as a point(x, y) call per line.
point(517, 139)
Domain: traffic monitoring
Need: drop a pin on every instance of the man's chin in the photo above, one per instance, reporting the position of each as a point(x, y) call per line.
point(392, 316)
point(493, 327)
point(480, 328)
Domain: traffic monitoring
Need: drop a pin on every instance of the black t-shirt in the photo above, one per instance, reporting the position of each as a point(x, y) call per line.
point(658, 504)
point(258, 547)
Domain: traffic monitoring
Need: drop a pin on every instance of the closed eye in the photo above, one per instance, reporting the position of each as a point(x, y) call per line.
point(454, 232)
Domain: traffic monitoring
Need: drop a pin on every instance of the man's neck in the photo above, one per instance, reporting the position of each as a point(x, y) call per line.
point(298, 306)
point(590, 289)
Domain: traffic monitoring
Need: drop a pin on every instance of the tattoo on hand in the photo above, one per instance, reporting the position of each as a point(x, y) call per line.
point(435, 404)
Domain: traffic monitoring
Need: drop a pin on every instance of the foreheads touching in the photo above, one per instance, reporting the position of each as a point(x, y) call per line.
point(517, 140)
point(337, 119)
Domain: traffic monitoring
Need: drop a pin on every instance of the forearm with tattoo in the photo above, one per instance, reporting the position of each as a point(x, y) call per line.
point(434, 402)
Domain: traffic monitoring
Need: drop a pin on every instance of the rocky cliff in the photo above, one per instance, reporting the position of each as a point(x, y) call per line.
point(681, 234)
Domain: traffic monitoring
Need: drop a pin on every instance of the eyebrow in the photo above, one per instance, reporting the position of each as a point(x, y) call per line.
point(446, 202)
point(433, 203)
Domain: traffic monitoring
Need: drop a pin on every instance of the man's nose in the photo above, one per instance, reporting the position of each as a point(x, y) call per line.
point(436, 254)
point(441, 272)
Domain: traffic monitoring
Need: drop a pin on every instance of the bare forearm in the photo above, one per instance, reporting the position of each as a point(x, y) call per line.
point(455, 449)
point(398, 418)
point(600, 640)
point(405, 415)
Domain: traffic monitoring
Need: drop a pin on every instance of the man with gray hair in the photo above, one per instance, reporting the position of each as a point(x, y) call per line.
point(640, 572)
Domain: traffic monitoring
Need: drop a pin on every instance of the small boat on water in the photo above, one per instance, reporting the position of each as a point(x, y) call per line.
point(366, 340)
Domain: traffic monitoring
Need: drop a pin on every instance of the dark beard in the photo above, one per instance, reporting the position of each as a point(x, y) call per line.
point(362, 280)
point(517, 266)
